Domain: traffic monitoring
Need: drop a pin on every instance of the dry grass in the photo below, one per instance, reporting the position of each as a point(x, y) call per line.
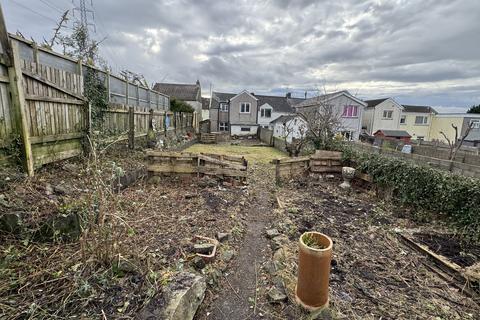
point(255, 154)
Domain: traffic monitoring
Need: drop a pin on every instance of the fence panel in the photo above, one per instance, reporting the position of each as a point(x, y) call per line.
point(55, 112)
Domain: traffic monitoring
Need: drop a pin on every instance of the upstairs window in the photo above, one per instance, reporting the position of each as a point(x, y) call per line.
point(245, 107)
point(403, 120)
point(388, 114)
point(266, 113)
point(350, 111)
point(245, 129)
point(224, 107)
point(421, 120)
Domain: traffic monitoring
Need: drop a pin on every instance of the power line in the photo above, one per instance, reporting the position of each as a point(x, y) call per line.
point(52, 6)
point(33, 11)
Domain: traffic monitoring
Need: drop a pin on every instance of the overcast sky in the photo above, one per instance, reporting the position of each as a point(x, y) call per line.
point(419, 52)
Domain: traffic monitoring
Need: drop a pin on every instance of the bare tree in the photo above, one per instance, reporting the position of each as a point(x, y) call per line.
point(456, 144)
point(57, 37)
point(323, 120)
point(294, 135)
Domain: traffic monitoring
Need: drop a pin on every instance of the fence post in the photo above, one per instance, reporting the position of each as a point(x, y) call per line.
point(107, 85)
point(126, 91)
point(138, 94)
point(35, 53)
point(276, 162)
point(131, 127)
point(18, 99)
point(175, 122)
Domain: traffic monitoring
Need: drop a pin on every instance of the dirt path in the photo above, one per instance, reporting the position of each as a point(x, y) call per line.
point(237, 294)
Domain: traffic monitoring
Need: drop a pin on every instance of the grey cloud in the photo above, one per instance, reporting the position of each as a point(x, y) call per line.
point(272, 45)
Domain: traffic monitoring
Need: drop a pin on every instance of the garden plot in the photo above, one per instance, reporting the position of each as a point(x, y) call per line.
point(147, 236)
point(374, 275)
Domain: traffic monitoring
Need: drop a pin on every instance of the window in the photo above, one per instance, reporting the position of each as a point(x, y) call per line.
point(350, 111)
point(348, 135)
point(245, 108)
point(420, 138)
point(223, 126)
point(224, 107)
point(387, 114)
point(245, 129)
point(421, 120)
point(403, 120)
point(265, 127)
point(266, 113)
point(475, 124)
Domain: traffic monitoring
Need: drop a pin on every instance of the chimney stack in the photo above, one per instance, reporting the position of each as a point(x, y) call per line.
point(305, 94)
point(288, 95)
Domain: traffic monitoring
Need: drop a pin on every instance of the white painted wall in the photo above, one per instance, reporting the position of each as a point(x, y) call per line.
point(297, 127)
point(205, 114)
point(263, 121)
point(382, 123)
point(236, 130)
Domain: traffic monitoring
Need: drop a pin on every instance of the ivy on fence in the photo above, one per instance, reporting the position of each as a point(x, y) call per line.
point(425, 189)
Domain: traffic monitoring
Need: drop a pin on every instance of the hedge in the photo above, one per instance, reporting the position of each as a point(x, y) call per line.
point(425, 188)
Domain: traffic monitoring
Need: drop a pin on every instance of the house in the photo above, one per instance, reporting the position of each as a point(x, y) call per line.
point(417, 121)
point(393, 135)
point(381, 114)
point(344, 106)
point(290, 127)
point(443, 122)
point(243, 113)
point(189, 93)
point(273, 107)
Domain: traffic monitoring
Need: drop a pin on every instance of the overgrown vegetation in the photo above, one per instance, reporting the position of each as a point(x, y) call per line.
point(425, 189)
point(180, 106)
point(96, 95)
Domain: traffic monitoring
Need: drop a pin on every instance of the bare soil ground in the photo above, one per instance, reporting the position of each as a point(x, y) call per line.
point(373, 274)
point(241, 293)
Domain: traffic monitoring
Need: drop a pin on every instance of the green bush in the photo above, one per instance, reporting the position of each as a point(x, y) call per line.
point(180, 106)
point(424, 188)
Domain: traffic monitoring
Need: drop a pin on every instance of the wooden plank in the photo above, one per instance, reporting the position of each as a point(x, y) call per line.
point(221, 163)
point(16, 85)
point(455, 271)
point(221, 171)
point(53, 99)
point(5, 42)
point(53, 84)
point(158, 168)
point(56, 137)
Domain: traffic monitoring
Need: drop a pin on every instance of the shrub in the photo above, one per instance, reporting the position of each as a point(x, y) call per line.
point(180, 106)
point(424, 188)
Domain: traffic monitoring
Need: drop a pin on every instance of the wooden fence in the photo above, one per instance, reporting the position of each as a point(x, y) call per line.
point(465, 169)
point(43, 109)
point(320, 162)
point(190, 164)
